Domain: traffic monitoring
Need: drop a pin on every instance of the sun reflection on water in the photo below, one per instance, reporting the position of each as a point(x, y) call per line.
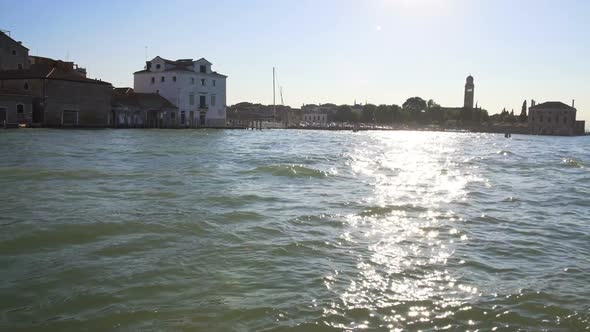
point(406, 236)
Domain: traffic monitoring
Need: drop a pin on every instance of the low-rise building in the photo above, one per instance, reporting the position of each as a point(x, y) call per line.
point(16, 108)
point(318, 115)
point(13, 55)
point(142, 110)
point(60, 95)
point(197, 91)
point(554, 118)
point(292, 117)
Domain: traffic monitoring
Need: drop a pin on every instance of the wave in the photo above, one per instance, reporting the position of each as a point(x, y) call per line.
point(506, 153)
point(511, 199)
point(61, 174)
point(237, 201)
point(375, 211)
point(242, 216)
point(62, 235)
point(292, 171)
point(571, 162)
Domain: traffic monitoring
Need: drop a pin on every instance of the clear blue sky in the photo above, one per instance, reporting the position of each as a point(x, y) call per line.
point(381, 51)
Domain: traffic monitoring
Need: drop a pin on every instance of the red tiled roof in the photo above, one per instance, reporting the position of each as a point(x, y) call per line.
point(43, 71)
point(128, 97)
point(182, 65)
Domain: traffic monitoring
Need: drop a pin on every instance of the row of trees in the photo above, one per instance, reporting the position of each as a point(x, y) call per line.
point(510, 117)
point(413, 110)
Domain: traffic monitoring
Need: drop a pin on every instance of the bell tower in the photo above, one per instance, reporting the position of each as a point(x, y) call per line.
point(469, 93)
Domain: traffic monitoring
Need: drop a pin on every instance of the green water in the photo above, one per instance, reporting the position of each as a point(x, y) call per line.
point(196, 230)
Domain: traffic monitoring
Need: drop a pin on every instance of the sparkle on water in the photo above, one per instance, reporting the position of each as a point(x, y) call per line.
point(301, 230)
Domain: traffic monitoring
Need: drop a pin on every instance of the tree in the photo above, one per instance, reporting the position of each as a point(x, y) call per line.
point(433, 112)
point(344, 113)
point(415, 106)
point(484, 115)
point(432, 104)
point(384, 115)
point(523, 116)
point(368, 115)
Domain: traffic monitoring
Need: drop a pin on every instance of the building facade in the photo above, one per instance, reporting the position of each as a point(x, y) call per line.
point(292, 117)
point(60, 95)
point(142, 110)
point(13, 55)
point(198, 92)
point(15, 108)
point(315, 117)
point(318, 114)
point(554, 118)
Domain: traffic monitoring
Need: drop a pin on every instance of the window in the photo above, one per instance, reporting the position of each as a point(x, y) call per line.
point(162, 79)
point(564, 120)
point(202, 81)
point(20, 109)
point(173, 78)
point(158, 66)
point(202, 102)
point(182, 117)
point(213, 100)
point(172, 115)
point(214, 82)
point(153, 80)
point(203, 69)
point(26, 86)
point(191, 98)
point(19, 66)
point(13, 52)
point(192, 80)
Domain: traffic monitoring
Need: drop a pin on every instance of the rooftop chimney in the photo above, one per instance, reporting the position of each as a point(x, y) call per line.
point(573, 103)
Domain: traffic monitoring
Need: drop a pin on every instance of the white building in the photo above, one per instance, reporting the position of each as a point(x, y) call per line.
point(316, 118)
point(197, 91)
point(317, 115)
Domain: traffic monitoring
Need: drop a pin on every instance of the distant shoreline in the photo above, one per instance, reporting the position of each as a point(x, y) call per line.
point(477, 129)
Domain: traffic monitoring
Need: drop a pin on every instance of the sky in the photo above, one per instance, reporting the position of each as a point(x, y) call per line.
point(339, 51)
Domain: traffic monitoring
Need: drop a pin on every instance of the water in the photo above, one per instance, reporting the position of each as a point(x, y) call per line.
point(293, 230)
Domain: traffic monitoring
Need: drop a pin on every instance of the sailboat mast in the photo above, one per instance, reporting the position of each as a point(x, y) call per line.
point(274, 106)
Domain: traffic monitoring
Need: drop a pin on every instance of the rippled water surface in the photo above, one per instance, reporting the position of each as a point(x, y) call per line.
point(293, 230)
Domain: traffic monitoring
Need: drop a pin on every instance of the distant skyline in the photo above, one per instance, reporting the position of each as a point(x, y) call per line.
point(380, 51)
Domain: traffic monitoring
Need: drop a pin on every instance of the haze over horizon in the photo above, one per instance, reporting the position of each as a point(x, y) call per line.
point(381, 51)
